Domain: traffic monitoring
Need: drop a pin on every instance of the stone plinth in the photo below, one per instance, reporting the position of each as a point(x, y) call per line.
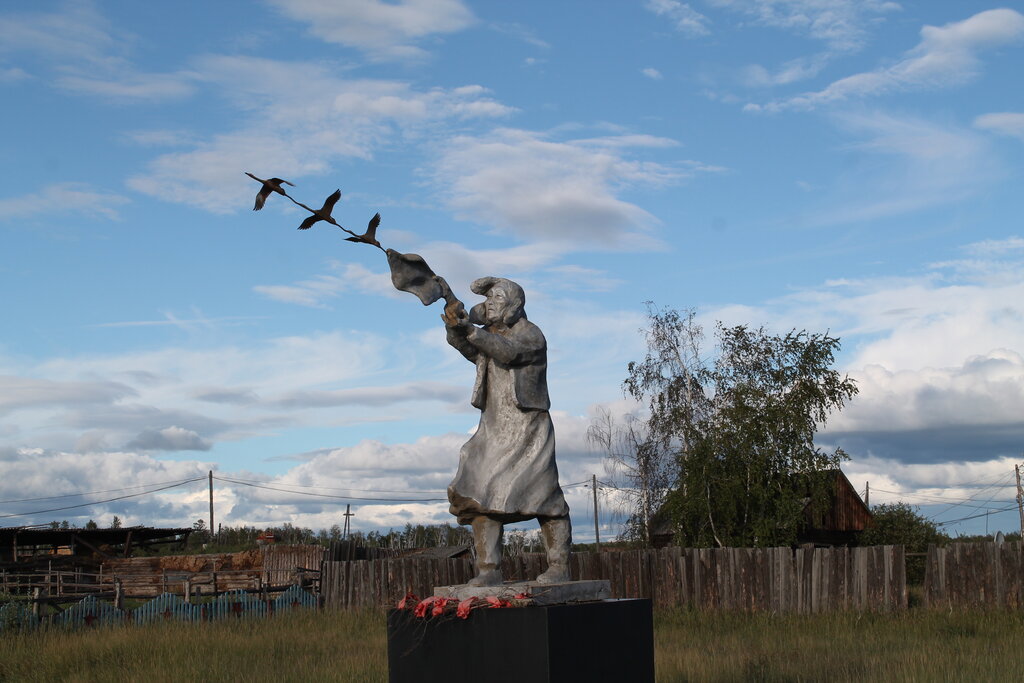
point(537, 593)
point(604, 640)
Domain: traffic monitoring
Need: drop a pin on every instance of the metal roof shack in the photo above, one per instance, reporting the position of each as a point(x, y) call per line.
point(28, 542)
point(437, 553)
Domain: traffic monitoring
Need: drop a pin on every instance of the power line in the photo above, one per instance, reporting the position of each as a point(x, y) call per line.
point(325, 495)
point(981, 514)
point(100, 502)
point(89, 493)
point(1002, 481)
point(934, 498)
point(987, 501)
point(336, 488)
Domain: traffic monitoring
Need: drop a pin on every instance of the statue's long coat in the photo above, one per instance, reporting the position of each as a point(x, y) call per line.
point(507, 469)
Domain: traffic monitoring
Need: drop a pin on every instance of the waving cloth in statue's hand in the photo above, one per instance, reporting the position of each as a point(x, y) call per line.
point(410, 273)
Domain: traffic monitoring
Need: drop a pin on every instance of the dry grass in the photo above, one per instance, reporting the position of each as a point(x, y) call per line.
point(300, 646)
point(912, 646)
point(690, 646)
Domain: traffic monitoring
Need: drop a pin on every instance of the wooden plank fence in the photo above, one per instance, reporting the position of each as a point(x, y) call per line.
point(975, 575)
point(753, 579)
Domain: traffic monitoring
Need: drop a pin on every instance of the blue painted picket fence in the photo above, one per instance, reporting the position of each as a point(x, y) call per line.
point(166, 607)
point(16, 615)
point(90, 612)
point(236, 603)
point(292, 598)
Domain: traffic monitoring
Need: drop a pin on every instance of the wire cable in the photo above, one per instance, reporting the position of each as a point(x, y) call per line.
point(1002, 481)
point(982, 514)
point(332, 488)
point(100, 502)
point(325, 495)
point(89, 493)
point(928, 496)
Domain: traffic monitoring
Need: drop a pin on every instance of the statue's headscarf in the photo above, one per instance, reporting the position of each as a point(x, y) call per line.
point(514, 304)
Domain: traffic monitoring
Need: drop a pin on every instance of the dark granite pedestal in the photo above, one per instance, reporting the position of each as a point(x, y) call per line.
point(606, 640)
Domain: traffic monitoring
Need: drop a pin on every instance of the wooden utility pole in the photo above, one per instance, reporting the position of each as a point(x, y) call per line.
point(348, 513)
point(1020, 500)
point(597, 533)
point(212, 527)
point(867, 494)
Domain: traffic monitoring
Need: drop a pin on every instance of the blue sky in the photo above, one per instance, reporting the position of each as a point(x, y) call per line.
point(809, 164)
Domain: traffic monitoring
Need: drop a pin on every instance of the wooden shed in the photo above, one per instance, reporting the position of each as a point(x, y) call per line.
point(841, 522)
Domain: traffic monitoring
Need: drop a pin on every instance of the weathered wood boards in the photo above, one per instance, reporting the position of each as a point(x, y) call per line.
point(806, 579)
point(975, 575)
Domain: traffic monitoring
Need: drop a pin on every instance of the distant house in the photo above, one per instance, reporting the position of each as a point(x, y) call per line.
point(839, 523)
point(842, 521)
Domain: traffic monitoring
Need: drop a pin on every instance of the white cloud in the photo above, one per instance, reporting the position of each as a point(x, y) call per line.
point(996, 247)
point(902, 164)
point(61, 199)
point(383, 30)
point(117, 396)
point(520, 32)
point(456, 262)
point(525, 184)
point(81, 46)
point(943, 491)
point(13, 74)
point(1006, 123)
point(293, 127)
point(841, 24)
point(76, 32)
point(168, 439)
point(131, 86)
point(375, 396)
point(34, 472)
point(161, 138)
point(971, 411)
point(20, 393)
point(946, 56)
point(652, 73)
point(792, 71)
point(937, 356)
point(684, 18)
point(315, 292)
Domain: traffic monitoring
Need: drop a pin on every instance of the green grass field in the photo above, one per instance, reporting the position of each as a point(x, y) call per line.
point(690, 646)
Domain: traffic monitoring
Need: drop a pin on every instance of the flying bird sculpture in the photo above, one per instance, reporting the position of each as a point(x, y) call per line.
point(409, 272)
point(270, 185)
point(370, 236)
point(322, 214)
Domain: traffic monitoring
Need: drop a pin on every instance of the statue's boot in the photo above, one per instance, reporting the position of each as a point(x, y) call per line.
point(557, 536)
point(487, 535)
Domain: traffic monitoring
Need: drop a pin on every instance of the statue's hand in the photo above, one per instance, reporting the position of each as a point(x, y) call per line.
point(455, 315)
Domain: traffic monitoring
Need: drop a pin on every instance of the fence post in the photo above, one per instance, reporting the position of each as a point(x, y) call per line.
point(118, 594)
